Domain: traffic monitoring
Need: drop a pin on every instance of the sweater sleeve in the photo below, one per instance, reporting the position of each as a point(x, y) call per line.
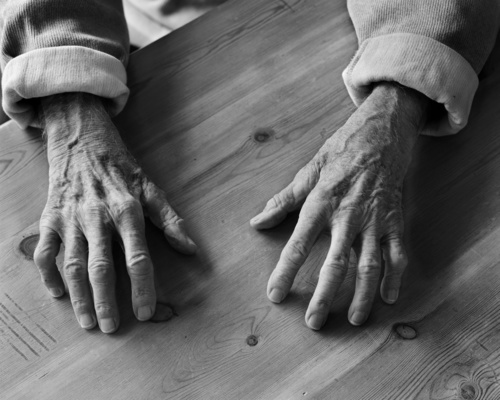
point(435, 47)
point(56, 46)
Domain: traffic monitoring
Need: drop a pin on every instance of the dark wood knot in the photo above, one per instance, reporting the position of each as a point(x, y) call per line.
point(405, 331)
point(468, 391)
point(252, 340)
point(263, 135)
point(28, 246)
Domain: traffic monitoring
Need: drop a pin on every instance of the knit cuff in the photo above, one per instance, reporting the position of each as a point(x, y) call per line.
point(53, 70)
point(420, 63)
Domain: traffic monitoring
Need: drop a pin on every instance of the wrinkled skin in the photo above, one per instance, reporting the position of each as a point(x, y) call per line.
point(352, 187)
point(97, 192)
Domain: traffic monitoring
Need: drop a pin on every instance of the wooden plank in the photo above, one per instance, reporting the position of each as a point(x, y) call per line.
point(23, 179)
point(223, 113)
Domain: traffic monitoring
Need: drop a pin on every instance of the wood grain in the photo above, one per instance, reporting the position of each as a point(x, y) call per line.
point(23, 179)
point(223, 113)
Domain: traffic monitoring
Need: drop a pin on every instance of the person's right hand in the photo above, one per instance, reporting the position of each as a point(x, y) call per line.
point(97, 190)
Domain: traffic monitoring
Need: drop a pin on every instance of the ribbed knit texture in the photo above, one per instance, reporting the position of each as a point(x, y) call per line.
point(53, 70)
point(434, 46)
point(469, 27)
point(57, 46)
point(34, 24)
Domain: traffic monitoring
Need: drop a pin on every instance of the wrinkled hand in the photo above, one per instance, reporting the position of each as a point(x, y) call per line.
point(352, 187)
point(96, 191)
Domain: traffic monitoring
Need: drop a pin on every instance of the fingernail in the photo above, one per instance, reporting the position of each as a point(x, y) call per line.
point(256, 219)
point(144, 313)
point(56, 292)
point(192, 245)
point(392, 295)
point(87, 321)
point(276, 295)
point(107, 325)
point(358, 318)
point(316, 321)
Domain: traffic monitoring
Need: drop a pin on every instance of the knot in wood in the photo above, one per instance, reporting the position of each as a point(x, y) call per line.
point(263, 135)
point(252, 340)
point(468, 391)
point(28, 246)
point(406, 331)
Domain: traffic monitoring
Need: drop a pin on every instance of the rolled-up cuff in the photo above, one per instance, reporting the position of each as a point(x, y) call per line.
point(53, 70)
point(420, 63)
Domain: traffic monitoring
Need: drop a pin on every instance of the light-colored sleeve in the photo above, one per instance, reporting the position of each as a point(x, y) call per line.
point(56, 46)
point(435, 47)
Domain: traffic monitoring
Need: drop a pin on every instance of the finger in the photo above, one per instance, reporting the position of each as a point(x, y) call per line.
point(289, 199)
point(311, 221)
point(165, 218)
point(45, 259)
point(130, 224)
point(76, 274)
point(101, 272)
point(367, 278)
point(334, 269)
point(396, 261)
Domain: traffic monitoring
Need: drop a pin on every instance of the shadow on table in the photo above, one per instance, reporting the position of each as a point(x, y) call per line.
point(452, 189)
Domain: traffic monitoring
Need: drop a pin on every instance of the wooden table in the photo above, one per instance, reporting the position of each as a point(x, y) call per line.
point(223, 113)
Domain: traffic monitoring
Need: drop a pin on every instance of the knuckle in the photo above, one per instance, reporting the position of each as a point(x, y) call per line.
point(369, 270)
point(143, 292)
point(79, 305)
point(364, 298)
point(315, 212)
point(395, 253)
point(296, 250)
point(322, 192)
point(333, 272)
point(101, 271)
point(309, 174)
point(42, 256)
point(282, 279)
point(400, 261)
point(350, 213)
point(139, 265)
point(395, 217)
point(275, 202)
point(288, 195)
point(322, 302)
point(338, 260)
point(170, 217)
point(103, 309)
point(150, 189)
point(282, 199)
point(74, 270)
point(50, 215)
point(126, 208)
point(93, 207)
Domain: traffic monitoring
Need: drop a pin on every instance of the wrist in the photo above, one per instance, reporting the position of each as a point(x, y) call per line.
point(405, 105)
point(387, 123)
point(73, 121)
point(395, 115)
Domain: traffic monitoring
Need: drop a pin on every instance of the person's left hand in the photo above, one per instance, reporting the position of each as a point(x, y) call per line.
point(353, 188)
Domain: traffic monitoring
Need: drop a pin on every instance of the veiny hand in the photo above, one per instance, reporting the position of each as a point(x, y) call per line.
point(96, 191)
point(353, 188)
